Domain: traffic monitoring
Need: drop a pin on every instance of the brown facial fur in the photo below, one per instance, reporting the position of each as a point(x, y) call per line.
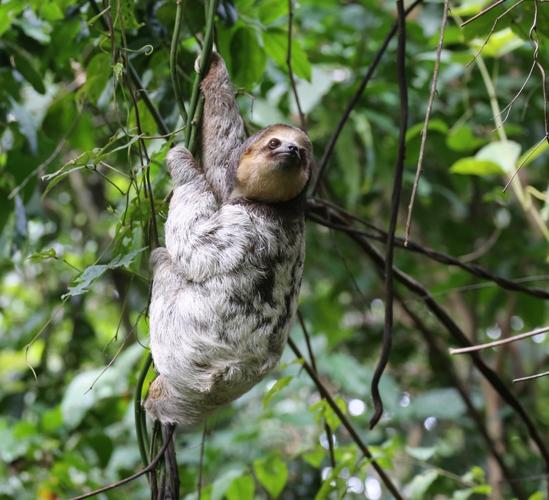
point(262, 175)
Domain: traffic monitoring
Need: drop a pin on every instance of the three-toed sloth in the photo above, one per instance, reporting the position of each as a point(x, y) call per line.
point(225, 288)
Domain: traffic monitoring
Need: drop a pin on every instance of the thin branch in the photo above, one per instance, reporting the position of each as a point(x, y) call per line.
point(201, 461)
point(161, 125)
point(531, 377)
point(424, 131)
point(302, 119)
point(482, 12)
point(140, 423)
point(173, 61)
point(356, 97)
point(491, 32)
point(395, 204)
point(128, 479)
point(459, 336)
point(496, 343)
point(437, 353)
point(312, 357)
point(192, 122)
point(532, 35)
point(146, 165)
point(324, 218)
point(345, 421)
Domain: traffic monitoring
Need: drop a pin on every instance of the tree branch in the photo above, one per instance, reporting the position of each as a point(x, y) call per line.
point(395, 204)
point(345, 421)
point(459, 336)
point(356, 97)
point(128, 479)
point(320, 211)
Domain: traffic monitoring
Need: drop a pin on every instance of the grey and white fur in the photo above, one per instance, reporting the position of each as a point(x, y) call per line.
point(226, 285)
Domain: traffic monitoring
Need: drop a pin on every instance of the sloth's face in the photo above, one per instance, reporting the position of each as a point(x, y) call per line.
point(276, 167)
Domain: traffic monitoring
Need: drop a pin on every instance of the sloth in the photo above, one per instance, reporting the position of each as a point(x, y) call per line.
point(226, 285)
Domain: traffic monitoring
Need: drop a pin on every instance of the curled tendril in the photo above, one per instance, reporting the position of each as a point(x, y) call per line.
point(146, 49)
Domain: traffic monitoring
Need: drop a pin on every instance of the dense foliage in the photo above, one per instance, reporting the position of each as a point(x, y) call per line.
point(81, 153)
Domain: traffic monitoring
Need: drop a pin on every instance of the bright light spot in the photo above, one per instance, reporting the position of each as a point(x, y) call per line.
point(517, 323)
point(377, 305)
point(323, 439)
point(270, 385)
point(502, 218)
point(494, 332)
point(430, 423)
point(373, 488)
point(35, 229)
point(345, 473)
point(345, 298)
point(356, 407)
point(377, 310)
point(12, 279)
point(325, 473)
point(354, 485)
point(538, 339)
point(405, 400)
point(340, 74)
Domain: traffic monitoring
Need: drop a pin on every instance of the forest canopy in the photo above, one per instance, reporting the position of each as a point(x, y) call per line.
point(92, 97)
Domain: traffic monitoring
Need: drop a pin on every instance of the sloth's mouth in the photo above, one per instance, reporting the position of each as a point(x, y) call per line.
point(287, 158)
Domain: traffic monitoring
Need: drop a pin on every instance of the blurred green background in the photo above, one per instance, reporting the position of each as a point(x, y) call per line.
point(75, 215)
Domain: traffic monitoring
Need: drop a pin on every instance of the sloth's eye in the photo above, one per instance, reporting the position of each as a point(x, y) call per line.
point(274, 143)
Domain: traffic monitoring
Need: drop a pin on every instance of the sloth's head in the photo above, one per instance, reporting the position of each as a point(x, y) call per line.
point(275, 165)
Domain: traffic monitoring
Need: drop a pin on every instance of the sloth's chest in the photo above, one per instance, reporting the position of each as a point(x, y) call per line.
point(254, 305)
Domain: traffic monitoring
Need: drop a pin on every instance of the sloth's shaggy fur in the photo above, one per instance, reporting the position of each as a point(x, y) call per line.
point(225, 287)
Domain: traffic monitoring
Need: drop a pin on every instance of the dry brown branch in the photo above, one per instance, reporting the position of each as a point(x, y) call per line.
point(424, 130)
point(496, 343)
point(531, 377)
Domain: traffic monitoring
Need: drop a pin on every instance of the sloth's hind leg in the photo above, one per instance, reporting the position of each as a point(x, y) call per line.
point(159, 405)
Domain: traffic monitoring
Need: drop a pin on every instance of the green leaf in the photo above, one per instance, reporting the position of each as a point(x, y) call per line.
point(26, 122)
point(461, 138)
point(421, 484)
point(123, 15)
point(26, 65)
point(276, 47)
point(315, 457)
point(325, 411)
point(98, 72)
point(504, 153)
point(242, 488)
point(495, 158)
point(272, 473)
point(422, 454)
point(500, 43)
point(224, 482)
point(350, 168)
point(272, 10)
point(247, 58)
point(473, 166)
point(277, 387)
point(8, 12)
point(52, 419)
point(435, 125)
point(80, 396)
point(533, 153)
point(50, 11)
point(50, 253)
point(469, 7)
point(92, 273)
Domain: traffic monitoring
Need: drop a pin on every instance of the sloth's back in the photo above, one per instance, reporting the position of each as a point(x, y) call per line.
point(215, 339)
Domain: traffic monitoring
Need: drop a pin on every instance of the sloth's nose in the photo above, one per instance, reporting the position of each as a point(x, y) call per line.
point(293, 149)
